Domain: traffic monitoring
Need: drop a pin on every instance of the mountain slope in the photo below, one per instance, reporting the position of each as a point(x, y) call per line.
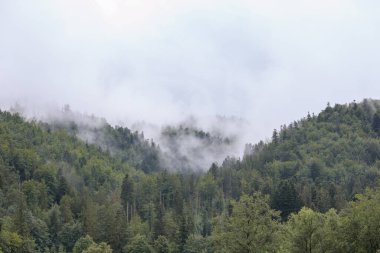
point(60, 193)
point(322, 160)
point(121, 142)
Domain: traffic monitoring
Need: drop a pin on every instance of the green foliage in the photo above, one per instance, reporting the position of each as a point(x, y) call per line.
point(252, 227)
point(162, 245)
point(136, 227)
point(10, 241)
point(376, 123)
point(361, 221)
point(197, 244)
point(286, 199)
point(21, 216)
point(354, 229)
point(306, 230)
point(127, 195)
point(98, 248)
point(83, 244)
point(138, 244)
point(59, 193)
point(54, 225)
point(69, 234)
point(40, 233)
point(126, 145)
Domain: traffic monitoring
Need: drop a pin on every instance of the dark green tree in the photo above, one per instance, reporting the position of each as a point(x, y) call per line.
point(54, 226)
point(159, 225)
point(127, 196)
point(21, 216)
point(286, 199)
point(376, 123)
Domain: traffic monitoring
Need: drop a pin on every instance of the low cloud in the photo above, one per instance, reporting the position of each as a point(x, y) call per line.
point(268, 62)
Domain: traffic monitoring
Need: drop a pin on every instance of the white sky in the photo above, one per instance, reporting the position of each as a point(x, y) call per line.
point(269, 62)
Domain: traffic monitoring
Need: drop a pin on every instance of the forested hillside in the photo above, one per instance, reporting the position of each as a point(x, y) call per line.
point(312, 188)
point(184, 147)
point(121, 142)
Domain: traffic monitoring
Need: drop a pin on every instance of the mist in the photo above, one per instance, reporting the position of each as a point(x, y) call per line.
point(163, 62)
point(190, 145)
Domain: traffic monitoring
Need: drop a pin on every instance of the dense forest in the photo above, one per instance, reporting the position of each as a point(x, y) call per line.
point(312, 188)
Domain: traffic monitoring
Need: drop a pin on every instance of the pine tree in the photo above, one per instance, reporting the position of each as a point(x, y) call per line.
point(20, 221)
point(126, 196)
point(286, 199)
point(376, 123)
point(54, 225)
point(275, 136)
point(183, 233)
point(159, 225)
point(89, 218)
point(119, 233)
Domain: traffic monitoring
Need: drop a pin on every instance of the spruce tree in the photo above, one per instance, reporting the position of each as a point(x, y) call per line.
point(286, 199)
point(126, 196)
point(376, 123)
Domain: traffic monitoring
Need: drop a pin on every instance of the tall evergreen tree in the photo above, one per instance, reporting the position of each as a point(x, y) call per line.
point(376, 123)
point(159, 225)
point(20, 221)
point(286, 199)
point(127, 196)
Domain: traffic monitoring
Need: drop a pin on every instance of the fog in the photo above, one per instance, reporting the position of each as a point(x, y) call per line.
point(161, 62)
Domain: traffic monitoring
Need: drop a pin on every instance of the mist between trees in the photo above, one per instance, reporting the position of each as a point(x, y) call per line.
point(311, 188)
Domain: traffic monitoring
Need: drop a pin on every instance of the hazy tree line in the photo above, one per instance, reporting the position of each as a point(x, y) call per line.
point(312, 188)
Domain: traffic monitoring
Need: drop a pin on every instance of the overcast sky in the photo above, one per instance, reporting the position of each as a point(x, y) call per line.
point(269, 62)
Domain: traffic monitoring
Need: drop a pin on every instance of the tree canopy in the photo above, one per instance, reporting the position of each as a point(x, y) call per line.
point(312, 188)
